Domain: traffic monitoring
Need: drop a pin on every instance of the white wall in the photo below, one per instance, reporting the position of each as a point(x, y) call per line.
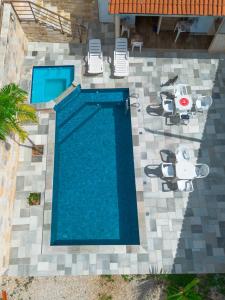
point(104, 16)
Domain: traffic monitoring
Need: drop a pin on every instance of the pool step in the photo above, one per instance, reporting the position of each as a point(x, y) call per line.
point(76, 120)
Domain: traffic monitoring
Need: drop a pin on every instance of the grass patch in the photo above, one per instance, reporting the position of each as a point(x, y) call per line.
point(108, 278)
point(105, 297)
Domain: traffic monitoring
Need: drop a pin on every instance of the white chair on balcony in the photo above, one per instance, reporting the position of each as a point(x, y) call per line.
point(168, 170)
point(121, 58)
point(201, 170)
point(95, 57)
point(125, 29)
point(185, 186)
point(181, 26)
point(203, 103)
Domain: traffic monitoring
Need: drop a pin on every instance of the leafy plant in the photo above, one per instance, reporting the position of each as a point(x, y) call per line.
point(183, 287)
point(14, 111)
point(129, 277)
point(108, 278)
point(34, 198)
point(209, 281)
point(105, 297)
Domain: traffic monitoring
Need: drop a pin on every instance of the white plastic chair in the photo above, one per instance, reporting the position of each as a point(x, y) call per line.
point(182, 153)
point(95, 57)
point(184, 117)
point(180, 90)
point(185, 186)
point(136, 44)
point(202, 170)
point(125, 28)
point(181, 26)
point(121, 58)
point(203, 103)
point(168, 106)
point(168, 170)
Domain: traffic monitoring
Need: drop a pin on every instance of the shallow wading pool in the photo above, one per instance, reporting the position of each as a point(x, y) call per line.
point(49, 82)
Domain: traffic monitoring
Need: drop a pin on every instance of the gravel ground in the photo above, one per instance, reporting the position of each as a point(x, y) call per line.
point(81, 287)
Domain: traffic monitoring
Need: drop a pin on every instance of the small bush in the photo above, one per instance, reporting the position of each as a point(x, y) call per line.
point(108, 278)
point(34, 198)
point(105, 297)
point(129, 277)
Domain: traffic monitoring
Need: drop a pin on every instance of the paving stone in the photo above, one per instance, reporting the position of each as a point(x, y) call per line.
point(196, 228)
point(189, 226)
point(20, 183)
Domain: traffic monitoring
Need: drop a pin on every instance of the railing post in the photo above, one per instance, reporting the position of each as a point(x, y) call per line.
point(60, 24)
point(79, 33)
point(47, 17)
point(14, 10)
point(32, 11)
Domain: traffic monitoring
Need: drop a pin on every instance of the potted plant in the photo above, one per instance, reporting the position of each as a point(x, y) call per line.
point(34, 199)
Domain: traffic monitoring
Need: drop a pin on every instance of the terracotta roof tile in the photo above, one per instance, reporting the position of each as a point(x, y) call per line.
point(168, 7)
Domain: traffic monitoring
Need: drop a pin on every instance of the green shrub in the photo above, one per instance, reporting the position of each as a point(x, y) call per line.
point(34, 198)
point(108, 278)
point(105, 297)
point(183, 287)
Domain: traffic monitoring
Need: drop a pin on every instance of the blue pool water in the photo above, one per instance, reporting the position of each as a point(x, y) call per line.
point(94, 196)
point(49, 82)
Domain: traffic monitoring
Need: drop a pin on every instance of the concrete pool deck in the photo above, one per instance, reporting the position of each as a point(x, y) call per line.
point(180, 232)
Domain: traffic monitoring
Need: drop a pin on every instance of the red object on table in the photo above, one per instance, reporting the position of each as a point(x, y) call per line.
point(4, 295)
point(184, 101)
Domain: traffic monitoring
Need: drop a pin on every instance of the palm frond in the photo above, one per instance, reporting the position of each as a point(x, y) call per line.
point(14, 111)
point(15, 128)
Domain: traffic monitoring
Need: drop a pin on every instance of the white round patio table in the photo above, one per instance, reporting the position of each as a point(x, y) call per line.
point(185, 170)
point(183, 103)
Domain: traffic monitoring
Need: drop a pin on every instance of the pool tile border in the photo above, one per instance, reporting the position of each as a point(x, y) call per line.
point(46, 248)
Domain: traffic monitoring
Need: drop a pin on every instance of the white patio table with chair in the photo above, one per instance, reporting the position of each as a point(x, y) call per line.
point(183, 103)
point(185, 170)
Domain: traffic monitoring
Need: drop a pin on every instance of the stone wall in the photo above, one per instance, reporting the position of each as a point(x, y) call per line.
point(13, 46)
point(9, 154)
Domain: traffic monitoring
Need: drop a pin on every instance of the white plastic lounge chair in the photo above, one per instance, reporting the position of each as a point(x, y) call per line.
point(168, 170)
point(95, 57)
point(202, 170)
point(121, 58)
point(203, 103)
point(185, 186)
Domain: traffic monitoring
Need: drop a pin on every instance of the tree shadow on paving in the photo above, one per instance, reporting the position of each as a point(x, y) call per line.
point(201, 244)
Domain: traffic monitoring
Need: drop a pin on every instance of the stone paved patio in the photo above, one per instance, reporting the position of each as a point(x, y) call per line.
point(180, 232)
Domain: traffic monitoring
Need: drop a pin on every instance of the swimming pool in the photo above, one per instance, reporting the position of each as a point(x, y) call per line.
point(49, 82)
point(94, 196)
